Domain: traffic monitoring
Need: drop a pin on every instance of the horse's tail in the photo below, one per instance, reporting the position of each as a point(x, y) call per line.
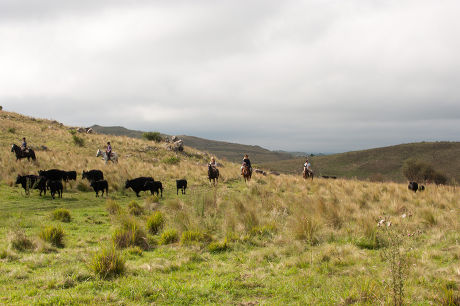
point(32, 154)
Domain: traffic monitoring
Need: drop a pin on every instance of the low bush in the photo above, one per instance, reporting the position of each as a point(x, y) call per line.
point(112, 207)
point(135, 209)
point(168, 236)
point(19, 241)
point(11, 130)
point(263, 230)
point(129, 233)
point(107, 263)
point(155, 222)
point(53, 234)
point(61, 214)
point(135, 251)
point(84, 187)
point(154, 136)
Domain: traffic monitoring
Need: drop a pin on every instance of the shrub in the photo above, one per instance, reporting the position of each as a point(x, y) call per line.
point(154, 136)
point(217, 247)
point(135, 251)
point(418, 171)
point(61, 214)
point(19, 241)
point(168, 236)
point(155, 222)
point(78, 141)
point(172, 160)
point(11, 130)
point(107, 263)
point(53, 235)
point(112, 207)
point(135, 209)
point(129, 234)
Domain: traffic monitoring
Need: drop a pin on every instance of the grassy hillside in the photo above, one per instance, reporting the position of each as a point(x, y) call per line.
point(385, 163)
point(223, 150)
point(276, 240)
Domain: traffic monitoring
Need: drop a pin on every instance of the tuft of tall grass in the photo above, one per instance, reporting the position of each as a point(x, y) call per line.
point(19, 241)
point(190, 237)
point(107, 263)
point(61, 214)
point(155, 222)
point(113, 207)
point(129, 233)
point(218, 246)
point(135, 209)
point(168, 236)
point(53, 234)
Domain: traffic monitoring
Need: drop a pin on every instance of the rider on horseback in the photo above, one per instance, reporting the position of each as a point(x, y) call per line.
point(108, 151)
point(307, 167)
point(213, 163)
point(246, 162)
point(24, 145)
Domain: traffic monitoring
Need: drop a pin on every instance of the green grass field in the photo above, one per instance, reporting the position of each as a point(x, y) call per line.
point(276, 240)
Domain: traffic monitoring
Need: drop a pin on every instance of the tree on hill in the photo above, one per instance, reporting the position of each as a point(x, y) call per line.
point(419, 171)
point(154, 136)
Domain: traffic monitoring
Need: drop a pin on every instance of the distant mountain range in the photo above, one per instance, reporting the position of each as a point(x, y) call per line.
point(375, 164)
point(224, 150)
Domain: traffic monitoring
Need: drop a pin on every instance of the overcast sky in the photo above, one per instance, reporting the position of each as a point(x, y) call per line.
point(312, 76)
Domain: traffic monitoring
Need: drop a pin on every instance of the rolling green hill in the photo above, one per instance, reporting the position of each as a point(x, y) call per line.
point(381, 163)
point(230, 151)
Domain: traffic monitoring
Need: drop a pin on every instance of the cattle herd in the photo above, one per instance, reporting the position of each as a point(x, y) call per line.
point(52, 180)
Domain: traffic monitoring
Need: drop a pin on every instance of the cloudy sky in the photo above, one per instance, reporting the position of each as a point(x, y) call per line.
point(313, 76)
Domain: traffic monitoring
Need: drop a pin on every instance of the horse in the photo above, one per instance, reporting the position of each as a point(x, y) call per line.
point(246, 173)
point(29, 153)
point(213, 174)
point(113, 157)
point(307, 174)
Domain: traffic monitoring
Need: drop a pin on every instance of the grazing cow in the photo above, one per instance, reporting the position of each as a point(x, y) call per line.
point(154, 187)
point(138, 184)
point(413, 186)
point(53, 174)
point(260, 172)
point(27, 181)
point(100, 186)
point(182, 185)
point(55, 186)
point(70, 175)
point(92, 175)
point(421, 188)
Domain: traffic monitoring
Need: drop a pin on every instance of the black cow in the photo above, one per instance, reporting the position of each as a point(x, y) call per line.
point(41, 185)
point(138, 184)
point(92, 175)
point(53, 174)
point(182, 185)
point(421, 188)
point(70, 175)
point(27, 181)
point(100, 186)
point(55, 186)
point(413, 186)
point(154, 187)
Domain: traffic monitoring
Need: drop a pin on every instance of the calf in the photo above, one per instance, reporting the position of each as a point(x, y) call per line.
point(154, 187)
point(138, 184)
point(53, 174)
point(182, 185)
point(41, 185)
point(70, 175)
point(100, 186)
point(55, 186)
point(413, 186)
point(92, 175)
